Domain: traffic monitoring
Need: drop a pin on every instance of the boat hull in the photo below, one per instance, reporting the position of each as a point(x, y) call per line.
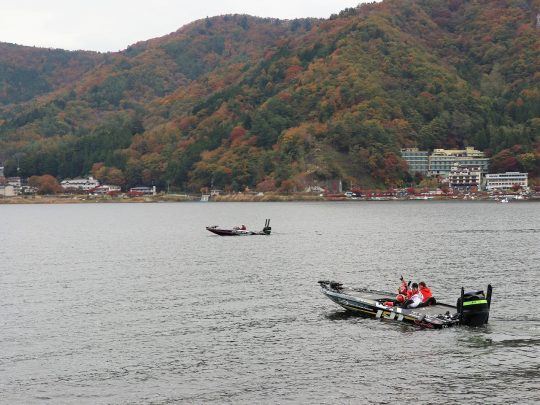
point(232, 232)
point(237, 231)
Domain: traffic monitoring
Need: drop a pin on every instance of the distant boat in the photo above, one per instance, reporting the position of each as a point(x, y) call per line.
point(239, 230)
point(205, 197)
point(504, 200)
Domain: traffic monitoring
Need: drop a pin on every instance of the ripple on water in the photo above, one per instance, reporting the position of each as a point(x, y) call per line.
point(148, 307)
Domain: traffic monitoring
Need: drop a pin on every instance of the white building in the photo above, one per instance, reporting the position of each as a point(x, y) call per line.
point(314, 189)
point(79, 184)
point(16, 182)
point(505, 181)
point(29, 190)
point(441, 161)
point(7, 191)
point(144, 190)
point(106, 189)
point(465, 177)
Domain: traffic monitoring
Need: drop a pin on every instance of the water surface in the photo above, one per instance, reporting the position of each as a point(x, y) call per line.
point(138, 303)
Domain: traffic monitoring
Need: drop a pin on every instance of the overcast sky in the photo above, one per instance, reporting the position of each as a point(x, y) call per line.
point(112, 25)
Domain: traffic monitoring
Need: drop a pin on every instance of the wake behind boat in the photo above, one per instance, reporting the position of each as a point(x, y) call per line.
point(472, 307)
point(240, 230)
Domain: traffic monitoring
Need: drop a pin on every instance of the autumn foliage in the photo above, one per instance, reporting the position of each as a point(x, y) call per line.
point(236, 101)
point(45, 184)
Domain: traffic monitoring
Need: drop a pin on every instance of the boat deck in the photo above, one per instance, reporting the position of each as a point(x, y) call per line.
point(374, 295)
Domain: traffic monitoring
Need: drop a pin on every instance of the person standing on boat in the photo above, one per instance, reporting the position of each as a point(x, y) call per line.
point(416, 298)
point(429, 299)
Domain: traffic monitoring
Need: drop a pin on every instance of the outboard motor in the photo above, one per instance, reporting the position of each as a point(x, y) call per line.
point(267, 228)
point(332, 285)
point(473, 307)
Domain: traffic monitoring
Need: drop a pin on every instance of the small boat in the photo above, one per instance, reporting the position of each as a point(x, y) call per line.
point(472, 307)
point(240, 230)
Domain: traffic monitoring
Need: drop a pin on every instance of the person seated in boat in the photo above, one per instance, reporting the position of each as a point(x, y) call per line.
point(415, 299)
point(401, 296)
point(403, 287)
point(429, 299)
point(402, 291)
point(242, 227)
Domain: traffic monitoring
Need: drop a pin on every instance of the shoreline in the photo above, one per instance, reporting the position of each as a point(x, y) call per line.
point(270, 197)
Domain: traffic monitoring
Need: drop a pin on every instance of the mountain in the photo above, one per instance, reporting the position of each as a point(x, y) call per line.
point(236, 101)
point(27, 72)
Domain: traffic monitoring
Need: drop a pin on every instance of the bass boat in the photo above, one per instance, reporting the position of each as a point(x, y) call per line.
point(472, 308)
point(240, 230)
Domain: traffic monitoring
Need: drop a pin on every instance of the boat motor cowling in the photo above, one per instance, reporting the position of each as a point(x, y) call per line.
point(473, 307)
point(267, 228)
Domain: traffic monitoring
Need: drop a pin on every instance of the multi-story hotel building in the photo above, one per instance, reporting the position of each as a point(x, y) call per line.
point(505, 181)
point(418, 160)
point(464, 177)
point(441, 161)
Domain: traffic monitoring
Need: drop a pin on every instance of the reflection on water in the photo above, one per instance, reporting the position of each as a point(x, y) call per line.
point(518, 342)
point(140, 304)
point(477, 341)
point(481, 341)
point(341, 315)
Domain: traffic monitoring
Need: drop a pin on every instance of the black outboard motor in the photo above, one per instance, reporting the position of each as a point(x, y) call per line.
point(332, 285)
point(473, 307)
point(267, 228)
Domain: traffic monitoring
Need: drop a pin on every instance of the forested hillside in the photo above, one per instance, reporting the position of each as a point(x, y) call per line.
point(27, 72)
point(237, 101)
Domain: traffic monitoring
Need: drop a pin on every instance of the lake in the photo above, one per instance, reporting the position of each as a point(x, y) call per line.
point(138, 303)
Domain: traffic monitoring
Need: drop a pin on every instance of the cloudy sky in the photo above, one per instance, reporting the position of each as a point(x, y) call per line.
point(112, 25)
